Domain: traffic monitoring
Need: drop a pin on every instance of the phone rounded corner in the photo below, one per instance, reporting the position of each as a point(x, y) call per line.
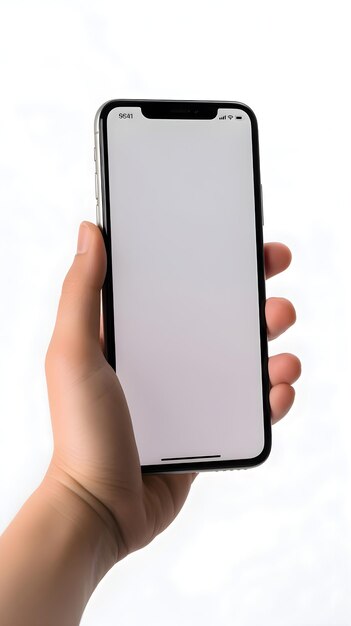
point(103, 111)
point(266, 450)
point(250, 112)
point(98, 116)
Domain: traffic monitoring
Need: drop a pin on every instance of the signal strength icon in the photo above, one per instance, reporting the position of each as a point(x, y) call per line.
point(230, 117)
point(223, 117)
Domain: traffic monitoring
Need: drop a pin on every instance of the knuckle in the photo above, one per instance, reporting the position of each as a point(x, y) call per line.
point(52, 356)
point(57, 355)
point(69, 285)
point(48, 355)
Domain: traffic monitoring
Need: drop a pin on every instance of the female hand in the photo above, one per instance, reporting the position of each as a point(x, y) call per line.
point(95, 455)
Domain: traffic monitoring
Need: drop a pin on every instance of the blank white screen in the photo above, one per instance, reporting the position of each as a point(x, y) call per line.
point(185, 284)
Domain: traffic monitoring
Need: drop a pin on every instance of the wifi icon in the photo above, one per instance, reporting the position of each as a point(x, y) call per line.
point(230, 117)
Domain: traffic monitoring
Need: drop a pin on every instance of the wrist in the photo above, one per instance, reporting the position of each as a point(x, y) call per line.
point(87, 519)
point(53, 555)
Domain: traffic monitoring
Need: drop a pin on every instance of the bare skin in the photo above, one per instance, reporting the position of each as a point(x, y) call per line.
point(94, 505)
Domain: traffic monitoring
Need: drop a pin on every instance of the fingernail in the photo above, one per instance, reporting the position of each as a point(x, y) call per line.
point(83, 238)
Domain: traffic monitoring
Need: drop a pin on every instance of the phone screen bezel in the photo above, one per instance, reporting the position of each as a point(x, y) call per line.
point(186, 108)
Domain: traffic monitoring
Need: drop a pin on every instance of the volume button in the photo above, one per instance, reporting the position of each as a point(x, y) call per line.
point(96, 187)
point(98, 217)
point(262, 205)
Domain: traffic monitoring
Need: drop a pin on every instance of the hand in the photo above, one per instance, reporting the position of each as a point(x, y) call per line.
point(95, 454)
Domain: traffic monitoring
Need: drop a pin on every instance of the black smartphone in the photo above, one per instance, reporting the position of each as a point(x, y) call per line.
point(179, 203)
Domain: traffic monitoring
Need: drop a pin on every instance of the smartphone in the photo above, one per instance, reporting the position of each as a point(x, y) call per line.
point(179, 203)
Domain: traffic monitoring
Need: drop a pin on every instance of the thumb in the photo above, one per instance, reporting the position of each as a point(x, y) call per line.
point(77, 327)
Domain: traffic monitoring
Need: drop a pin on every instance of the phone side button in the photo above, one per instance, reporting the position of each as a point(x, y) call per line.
point(96, 187)
point(262, 206)
point(98, 217)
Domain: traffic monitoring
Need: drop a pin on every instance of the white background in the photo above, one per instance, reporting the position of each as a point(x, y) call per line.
point(266, 546)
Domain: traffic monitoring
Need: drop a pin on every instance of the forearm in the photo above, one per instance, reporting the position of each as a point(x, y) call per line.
point(52, 556)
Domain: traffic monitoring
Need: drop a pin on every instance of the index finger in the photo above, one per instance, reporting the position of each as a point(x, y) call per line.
point(277, 257)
